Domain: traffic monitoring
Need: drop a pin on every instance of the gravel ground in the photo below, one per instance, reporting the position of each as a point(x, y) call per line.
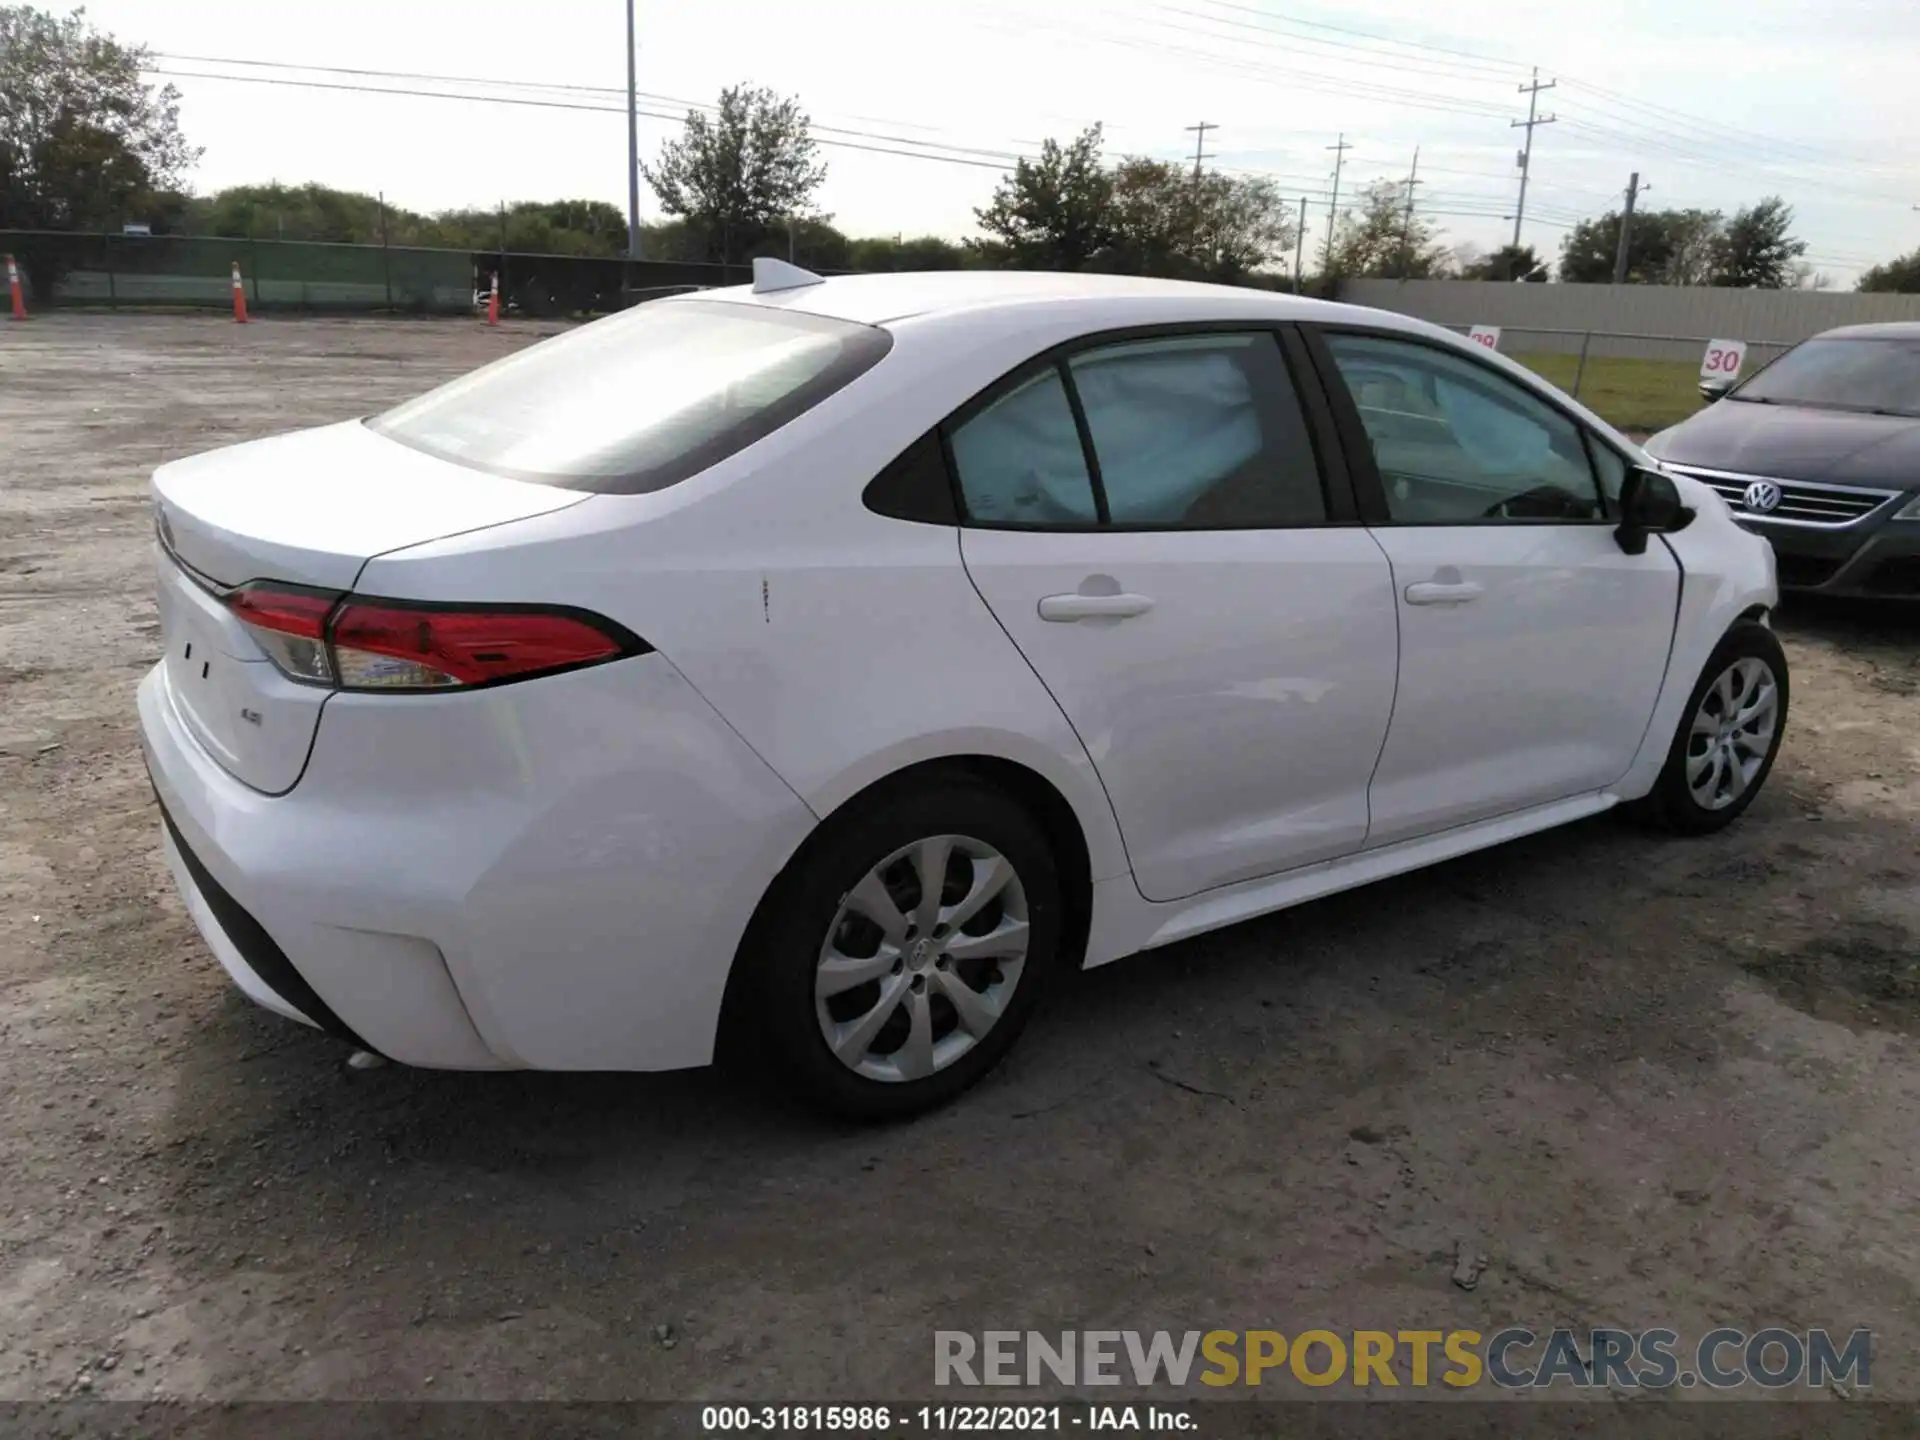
point(1655, 1082)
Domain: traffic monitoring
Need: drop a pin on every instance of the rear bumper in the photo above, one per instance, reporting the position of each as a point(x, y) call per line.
point(1877, 560)
point(245, 951)
point(382, 991)
point(553, 875)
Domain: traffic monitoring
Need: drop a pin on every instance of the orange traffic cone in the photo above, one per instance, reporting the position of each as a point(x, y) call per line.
point(13, 288)
point(493, 300)
point(239, 297)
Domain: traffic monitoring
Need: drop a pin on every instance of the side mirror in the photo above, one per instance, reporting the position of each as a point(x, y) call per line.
point(1649, 505)
point(1715, 389)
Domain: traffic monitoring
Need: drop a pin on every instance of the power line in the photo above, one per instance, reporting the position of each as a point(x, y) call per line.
point(953, 159)
point(1508, 67)
point(1339, 150)
point(1268, 74)
point(1746, 157)
point(1745, 139)
point(1406, 224)
point(1199, 132)
point(959, 158)
point(1626, 228)
point(1532, 92)
point(1373, 59)
point(542, 85)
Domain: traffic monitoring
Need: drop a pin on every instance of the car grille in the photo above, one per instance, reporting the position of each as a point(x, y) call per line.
point(1802, 502)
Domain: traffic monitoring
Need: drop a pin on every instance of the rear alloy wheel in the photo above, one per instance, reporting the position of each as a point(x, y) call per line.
point(900, 956)
point(922, 959)
point(1734, 723)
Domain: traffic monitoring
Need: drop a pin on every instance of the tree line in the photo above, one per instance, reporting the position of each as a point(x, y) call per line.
point(87, 145)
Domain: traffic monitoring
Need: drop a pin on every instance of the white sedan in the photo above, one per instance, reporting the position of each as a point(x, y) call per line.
point(831, 662)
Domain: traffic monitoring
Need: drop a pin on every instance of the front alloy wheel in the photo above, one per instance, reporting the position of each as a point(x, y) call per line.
point(1731, 738)
point(1734, 723)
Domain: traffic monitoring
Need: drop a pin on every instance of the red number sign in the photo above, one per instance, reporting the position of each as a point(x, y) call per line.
point(1723, 360)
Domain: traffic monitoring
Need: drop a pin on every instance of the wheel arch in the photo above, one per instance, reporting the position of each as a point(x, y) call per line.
point(1034, 792)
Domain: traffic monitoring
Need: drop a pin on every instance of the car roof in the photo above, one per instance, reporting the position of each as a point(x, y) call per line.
point(886, 298)
point(1885, 330)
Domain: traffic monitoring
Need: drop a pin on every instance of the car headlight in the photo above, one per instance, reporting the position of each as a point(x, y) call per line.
point(1909, 511)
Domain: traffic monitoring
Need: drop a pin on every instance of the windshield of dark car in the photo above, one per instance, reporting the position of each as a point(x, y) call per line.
point(1843, 374)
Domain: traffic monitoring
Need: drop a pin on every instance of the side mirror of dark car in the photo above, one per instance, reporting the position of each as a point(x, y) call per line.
point(1715, 389)
point(1649, 505)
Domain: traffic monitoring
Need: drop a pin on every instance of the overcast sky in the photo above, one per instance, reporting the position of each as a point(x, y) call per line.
point(1716, 102)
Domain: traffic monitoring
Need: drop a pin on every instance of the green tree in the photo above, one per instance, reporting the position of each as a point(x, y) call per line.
point(1901, 276)
point(1664, 247)
point(1695, 242)
point(740, 174)
point(1381, 238)
point(1509, 262)
point(84, 144)
point(1757, 248)
point(913, 252)
point(1054, 213)
point(1167, 221)
point(1588, 251)
point(300, 212)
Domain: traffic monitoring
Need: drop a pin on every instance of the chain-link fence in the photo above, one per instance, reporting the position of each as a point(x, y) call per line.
point(1588, 345)
point(67, 269)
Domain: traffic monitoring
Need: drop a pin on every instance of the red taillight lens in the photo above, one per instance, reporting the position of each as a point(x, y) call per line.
point(363, 644)
point(290, 624)
point(383, 646)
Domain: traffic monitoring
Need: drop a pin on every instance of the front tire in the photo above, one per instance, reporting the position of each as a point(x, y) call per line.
point(1729, 734)
point(900, 955)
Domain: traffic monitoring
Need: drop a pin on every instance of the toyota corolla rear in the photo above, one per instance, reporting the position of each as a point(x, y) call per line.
point(419, 777)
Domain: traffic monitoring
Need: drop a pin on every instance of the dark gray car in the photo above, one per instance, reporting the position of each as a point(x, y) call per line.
point(1820, 453)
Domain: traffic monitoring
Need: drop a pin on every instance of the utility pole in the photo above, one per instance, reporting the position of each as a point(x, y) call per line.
point(1299, 244)
point(1406, 223)
point(1333, 205)
point(1199, 132)
point(1532, 92)
point(1626, 229)
point(633, 143)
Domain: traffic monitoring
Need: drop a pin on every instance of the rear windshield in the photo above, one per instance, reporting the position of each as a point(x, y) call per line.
point(1875, 375)
point(640, 400)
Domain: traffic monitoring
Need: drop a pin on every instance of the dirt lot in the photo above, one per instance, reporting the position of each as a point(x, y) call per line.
point(1655, 1082)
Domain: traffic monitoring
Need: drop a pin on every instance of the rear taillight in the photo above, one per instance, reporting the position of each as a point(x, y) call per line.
point(352, 642)
point(378, 645)
point(290, 625)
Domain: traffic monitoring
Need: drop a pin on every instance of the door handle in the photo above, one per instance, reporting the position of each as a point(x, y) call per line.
point(1435, 592)
point(1064, 609)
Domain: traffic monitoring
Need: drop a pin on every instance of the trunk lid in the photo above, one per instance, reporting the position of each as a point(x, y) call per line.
point(307, 509)
point(313, 506)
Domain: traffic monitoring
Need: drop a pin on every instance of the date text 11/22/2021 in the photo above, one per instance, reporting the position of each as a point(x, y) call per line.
point(942, 1419)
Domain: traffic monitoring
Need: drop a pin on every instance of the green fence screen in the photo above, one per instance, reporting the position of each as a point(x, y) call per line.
point(68, 269)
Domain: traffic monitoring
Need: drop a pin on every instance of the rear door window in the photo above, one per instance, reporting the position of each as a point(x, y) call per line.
point(641, 400)
point(1199, 432)
point(1020, 460)
point(1189, 431)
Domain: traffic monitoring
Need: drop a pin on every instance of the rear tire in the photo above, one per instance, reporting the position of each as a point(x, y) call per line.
point(1729, 735)
point(877, 1002)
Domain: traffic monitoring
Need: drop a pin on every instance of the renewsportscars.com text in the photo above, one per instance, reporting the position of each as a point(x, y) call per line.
point(1512, 1358)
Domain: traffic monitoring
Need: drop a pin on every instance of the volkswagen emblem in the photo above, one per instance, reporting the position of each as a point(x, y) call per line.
point(1762, 497)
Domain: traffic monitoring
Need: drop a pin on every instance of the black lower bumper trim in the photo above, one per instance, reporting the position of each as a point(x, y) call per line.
point(256, 946)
